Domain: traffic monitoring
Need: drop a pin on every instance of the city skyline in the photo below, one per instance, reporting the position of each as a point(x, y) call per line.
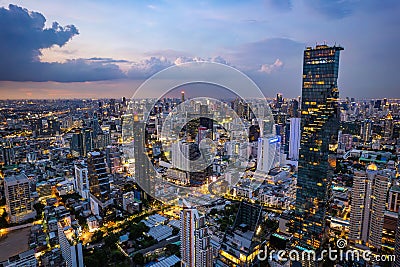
point(103, 57)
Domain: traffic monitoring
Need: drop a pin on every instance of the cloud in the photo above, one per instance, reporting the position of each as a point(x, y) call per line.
point(23, 35)
point(278, 64)
point(334, 9)
point(107, 60)
point(146, 68)
point(281, 5)
point(249, 56)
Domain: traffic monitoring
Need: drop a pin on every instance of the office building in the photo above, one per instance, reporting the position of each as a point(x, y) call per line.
point(268, 153)
point(99, 183)
point(70, 249)
point(242, 243)
point(366, 131)
point(82, 142)
point(82, 179)
point(388, 127)
point(195, 240)
point(397, 243)
point(19, 204)
point(294, 139)
point(319, 129)
point(113, 158)
point(144, 170)
point(25, 259)
point(8, 154)
point(394, 198)
point(368, 206)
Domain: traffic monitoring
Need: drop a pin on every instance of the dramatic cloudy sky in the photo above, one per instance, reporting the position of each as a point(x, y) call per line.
point(64, 49)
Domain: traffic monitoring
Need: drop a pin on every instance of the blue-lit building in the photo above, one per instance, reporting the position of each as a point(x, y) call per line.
point(319, 129)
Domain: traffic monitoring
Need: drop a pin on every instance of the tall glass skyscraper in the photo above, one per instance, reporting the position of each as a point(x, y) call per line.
point(319, 128)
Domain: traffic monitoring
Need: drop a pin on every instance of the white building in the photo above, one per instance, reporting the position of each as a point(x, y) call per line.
point(71, 252)
point(81, 180)
point(195, 240)
point(294, 138)
point(268, 153)
point(368, 206)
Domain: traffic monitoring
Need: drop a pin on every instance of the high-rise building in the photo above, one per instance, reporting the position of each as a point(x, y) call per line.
point(243, 241)
point(70, 249)
point(388, 129)
point(82, 142)
point(294, 139)
point(144, 170)
point(368, 206)
point(82, 179)
point(195, 240)
point(19, 204)
point(268, 153)
point(7, 153)
point(366, 131)
point(113, 158)
point(319, 129)
point(182, 96)
point(279, 101)
point(394, 199)
point(397, 244)
point(99, 183)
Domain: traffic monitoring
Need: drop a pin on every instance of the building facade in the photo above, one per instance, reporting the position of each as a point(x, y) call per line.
point(19, 204)
point(368, 207)
point(294, 139)
point(319, 129)
point(195, 240)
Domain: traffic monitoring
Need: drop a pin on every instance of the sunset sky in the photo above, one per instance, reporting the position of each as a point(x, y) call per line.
point(74, 49)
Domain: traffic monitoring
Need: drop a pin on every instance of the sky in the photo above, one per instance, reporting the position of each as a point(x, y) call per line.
point(93, 49)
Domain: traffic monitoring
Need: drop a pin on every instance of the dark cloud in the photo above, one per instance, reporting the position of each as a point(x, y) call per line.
point(23, 35)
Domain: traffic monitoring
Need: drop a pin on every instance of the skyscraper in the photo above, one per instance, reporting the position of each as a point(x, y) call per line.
point(268, 153)
point(397, 243)
point(368, 206)
point(243, 241)
point(294, 139)
point(81, 179)
point(195, 240)
point(7, 153)
point(70, 249)
point(319, 128)
point(19, 205)
point(99, 183)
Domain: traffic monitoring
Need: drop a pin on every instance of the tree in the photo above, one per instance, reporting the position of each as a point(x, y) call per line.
point(138, 258)
point(175, 231)
point(172, 249)
point(110, 241)
point(137, 230)
point(213, 211)
point(39, 208)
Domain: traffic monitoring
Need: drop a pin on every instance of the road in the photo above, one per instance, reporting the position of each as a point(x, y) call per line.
point(160, 244)
point(15, 243)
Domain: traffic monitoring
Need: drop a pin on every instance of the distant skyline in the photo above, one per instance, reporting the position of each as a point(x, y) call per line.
point(100, 49)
